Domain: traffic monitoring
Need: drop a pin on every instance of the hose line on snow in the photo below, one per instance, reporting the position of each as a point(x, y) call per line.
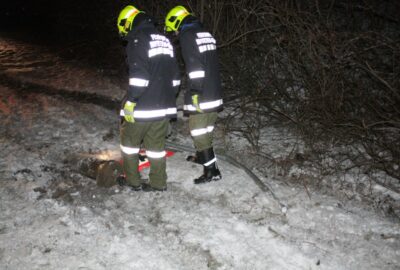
point(263, 186)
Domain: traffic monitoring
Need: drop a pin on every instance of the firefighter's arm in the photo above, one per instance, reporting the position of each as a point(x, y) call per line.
point(194, 69)
point(176, 81)
point(137, 53)
point(193, 64)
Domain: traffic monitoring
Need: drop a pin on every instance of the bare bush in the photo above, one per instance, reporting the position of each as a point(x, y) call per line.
point(331, 68)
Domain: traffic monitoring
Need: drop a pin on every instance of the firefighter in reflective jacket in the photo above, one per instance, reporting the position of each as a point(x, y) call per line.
point(203, 98)
point(150, 100)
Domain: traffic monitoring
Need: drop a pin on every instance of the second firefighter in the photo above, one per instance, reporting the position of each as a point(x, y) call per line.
point(203, 98)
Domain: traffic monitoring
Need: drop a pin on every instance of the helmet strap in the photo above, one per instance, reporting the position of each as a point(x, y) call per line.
point(128, 25)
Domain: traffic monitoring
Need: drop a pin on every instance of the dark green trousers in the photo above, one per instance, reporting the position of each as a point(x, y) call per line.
point(201, 129)
point(152, 134)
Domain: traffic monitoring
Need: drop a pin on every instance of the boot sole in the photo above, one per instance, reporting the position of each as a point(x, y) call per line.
point(208, 180)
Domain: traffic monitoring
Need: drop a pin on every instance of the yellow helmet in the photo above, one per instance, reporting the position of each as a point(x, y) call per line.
point(175, 17)
point(125, 19)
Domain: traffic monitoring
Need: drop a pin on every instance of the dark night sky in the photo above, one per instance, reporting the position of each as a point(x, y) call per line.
point(53, 16)
point(59, 23)
point(89, 16)
point(63, 24)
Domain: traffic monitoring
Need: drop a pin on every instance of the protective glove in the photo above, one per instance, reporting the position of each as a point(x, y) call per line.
point(195, 101)
point(128, 111)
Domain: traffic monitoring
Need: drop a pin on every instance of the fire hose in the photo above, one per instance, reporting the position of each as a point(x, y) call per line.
point(262, 185)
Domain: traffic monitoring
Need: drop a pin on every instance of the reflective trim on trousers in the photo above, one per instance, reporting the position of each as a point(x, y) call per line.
point(154, 154)
point(129, 150)
point(210, 162)
point(201, 131)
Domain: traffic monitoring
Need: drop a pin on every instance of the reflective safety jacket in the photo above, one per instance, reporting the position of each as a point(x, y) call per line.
point(153, 74)
point(199, 51)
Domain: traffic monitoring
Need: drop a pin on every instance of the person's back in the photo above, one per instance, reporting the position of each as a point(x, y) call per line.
point(199, 51)
point(152, 64)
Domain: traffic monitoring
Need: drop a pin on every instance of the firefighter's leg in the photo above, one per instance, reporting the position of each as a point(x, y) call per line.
point(131, 135)
point(201, 129)
point(154, 142)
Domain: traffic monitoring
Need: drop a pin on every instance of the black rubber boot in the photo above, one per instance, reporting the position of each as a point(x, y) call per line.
point(211, 171)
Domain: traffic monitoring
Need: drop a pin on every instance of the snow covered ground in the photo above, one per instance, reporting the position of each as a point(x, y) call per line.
point(52, 217)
